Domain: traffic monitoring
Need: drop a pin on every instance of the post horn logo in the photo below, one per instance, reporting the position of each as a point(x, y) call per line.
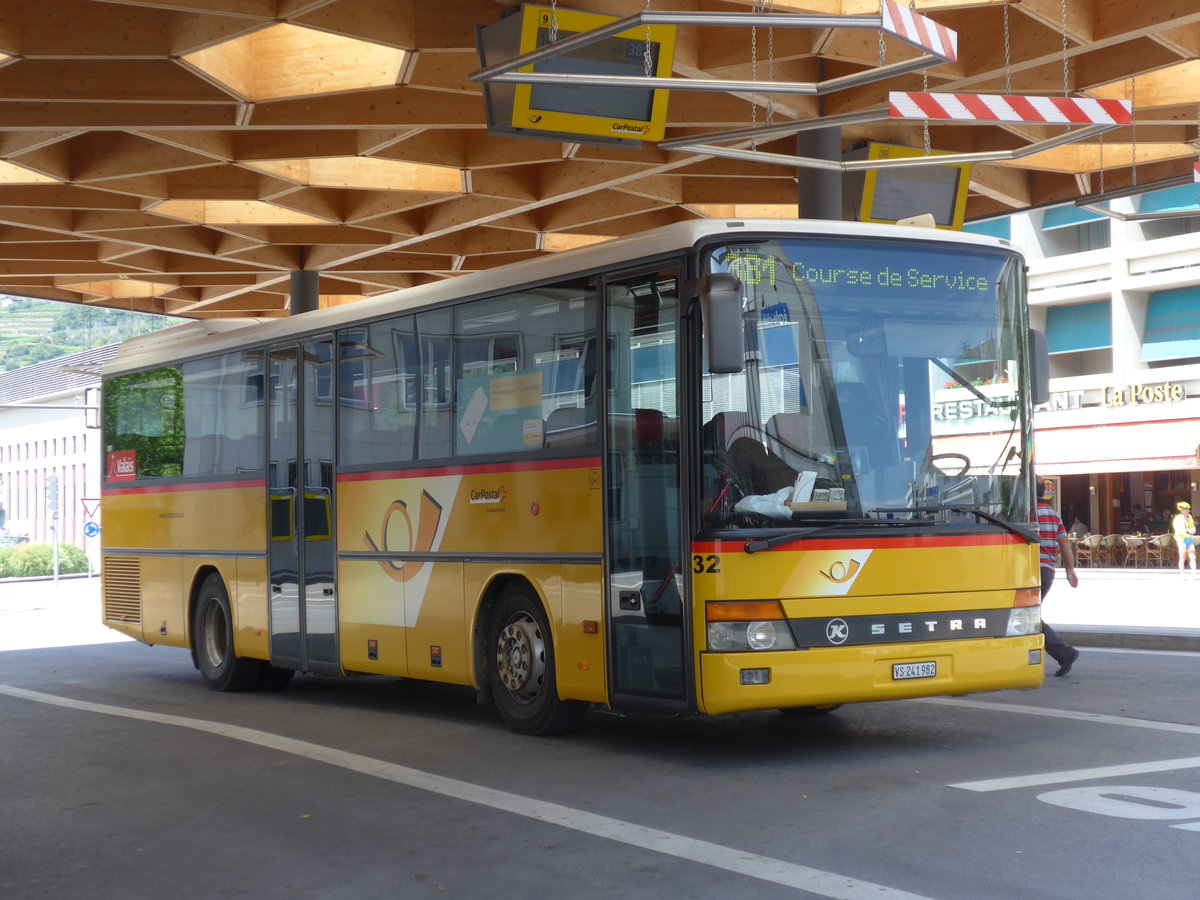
point(840, 572)
point(420, 542)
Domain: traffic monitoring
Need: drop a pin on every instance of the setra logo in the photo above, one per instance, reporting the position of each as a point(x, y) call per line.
point(419, 542)
point(837, 631)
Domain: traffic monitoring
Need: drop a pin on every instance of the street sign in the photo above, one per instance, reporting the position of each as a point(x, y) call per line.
point(91, 529)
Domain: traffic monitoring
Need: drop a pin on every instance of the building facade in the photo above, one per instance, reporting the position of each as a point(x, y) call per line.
point(1118, 295)
point(48, 440)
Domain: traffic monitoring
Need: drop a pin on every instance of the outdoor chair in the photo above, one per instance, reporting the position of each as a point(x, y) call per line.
point(1135, 549)
point(1088, 551)
point(1160, 550)
point(1110, 546)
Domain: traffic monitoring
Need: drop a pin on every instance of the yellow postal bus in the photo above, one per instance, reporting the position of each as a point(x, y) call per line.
point(719, 466)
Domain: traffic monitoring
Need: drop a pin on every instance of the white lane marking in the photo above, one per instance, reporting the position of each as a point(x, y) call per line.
point(1156, 653)
point(1067, 775)
point(1001, 784)
point(739, 862)
point(1097, 718)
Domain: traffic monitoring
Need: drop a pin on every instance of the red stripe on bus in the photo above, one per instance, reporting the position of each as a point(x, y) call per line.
point(981, 540)
point(178, 488)
point(481, 469)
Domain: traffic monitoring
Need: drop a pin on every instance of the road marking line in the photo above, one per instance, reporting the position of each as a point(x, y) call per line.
point(1019, 781)
point(1068, 775)
point(1191, 654)
point(739, 862)
point(1096, 718)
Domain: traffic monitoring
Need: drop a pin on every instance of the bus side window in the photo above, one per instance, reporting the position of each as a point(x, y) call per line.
point(568, 426)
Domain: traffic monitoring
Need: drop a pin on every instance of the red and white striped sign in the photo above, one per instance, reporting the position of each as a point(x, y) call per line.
point(1196, 171)
point(913, 28)
point(1000, 108)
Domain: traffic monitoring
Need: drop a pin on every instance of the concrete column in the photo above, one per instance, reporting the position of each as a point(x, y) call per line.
point(819, 192)
point(304, 291)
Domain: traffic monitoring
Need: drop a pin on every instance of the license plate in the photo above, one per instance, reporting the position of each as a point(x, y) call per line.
point(901, 671)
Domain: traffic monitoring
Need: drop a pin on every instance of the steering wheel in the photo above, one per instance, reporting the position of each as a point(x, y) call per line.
point(965, 461)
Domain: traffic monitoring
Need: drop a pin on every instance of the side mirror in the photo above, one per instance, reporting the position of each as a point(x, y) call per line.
point(1039, 360)
point(721, 312)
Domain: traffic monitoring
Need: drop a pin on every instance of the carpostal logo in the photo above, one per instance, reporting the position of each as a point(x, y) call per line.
point(489, 495)
point(629, 128)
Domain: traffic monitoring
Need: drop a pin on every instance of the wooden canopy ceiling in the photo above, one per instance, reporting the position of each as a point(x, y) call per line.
point(184, 156)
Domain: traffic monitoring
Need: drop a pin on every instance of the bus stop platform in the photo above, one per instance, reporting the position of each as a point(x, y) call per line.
point(1149, 609)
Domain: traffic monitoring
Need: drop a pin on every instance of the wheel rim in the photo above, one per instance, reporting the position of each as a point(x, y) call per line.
point(216, 635)
point(521, 658)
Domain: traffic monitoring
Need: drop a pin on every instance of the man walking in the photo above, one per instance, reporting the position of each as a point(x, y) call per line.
point(1053, 537)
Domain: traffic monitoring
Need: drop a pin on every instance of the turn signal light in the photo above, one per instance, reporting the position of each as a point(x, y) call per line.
point(1028, 597)
point(742, 610)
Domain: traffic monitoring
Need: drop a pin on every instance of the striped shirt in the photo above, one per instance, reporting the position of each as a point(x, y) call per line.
point(1050, 527)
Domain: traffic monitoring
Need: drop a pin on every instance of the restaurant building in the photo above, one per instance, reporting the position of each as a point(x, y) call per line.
point(1118, 296)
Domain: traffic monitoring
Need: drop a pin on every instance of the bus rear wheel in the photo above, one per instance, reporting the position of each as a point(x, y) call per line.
point(212, 640)
point(521, 667)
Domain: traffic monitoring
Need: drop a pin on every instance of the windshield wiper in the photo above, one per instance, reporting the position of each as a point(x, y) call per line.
point(776, 540)
point(973, 510)
point(997, 402)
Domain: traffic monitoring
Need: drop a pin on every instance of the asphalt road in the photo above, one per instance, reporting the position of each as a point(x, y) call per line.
point(122, 776)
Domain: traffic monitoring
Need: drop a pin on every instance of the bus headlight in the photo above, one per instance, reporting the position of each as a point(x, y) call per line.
point(1024, 620)
point(747, 625)
point(760, 635)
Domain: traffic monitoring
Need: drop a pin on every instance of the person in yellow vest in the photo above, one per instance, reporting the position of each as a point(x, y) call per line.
point(1184, 527)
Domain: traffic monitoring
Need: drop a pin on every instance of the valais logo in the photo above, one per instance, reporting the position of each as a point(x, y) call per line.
point(122, 465)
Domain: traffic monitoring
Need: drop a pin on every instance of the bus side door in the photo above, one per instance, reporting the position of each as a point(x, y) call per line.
point(303, 612)
point(647, 582)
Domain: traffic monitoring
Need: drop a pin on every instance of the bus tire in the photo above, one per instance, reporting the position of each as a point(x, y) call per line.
point(521, 667)
point(212, 630)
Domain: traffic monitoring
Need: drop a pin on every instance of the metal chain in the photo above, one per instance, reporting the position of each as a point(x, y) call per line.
point(1066, 74)
point(882, 43)
point(912, 4)
point(754, 73)
point(770, 64)
point(647, 59)
point(1007, 55)
point(1133, 124)
point(553, 21)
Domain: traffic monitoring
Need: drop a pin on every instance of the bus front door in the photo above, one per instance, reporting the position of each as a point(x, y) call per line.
point(645, 575)
point(300, 482)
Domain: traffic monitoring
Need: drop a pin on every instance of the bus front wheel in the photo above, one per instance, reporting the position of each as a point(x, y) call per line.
point(521, 667)
point(212, 640)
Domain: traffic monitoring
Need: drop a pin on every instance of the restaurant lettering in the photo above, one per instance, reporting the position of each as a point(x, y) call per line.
point(949, 410)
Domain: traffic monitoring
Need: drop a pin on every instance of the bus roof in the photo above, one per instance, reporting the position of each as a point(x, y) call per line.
point(206, 336)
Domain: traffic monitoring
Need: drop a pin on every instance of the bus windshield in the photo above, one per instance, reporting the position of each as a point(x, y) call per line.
point(880, 383)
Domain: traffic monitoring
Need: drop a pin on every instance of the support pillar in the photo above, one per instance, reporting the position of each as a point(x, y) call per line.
point(304, 291)
point(818, 191)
